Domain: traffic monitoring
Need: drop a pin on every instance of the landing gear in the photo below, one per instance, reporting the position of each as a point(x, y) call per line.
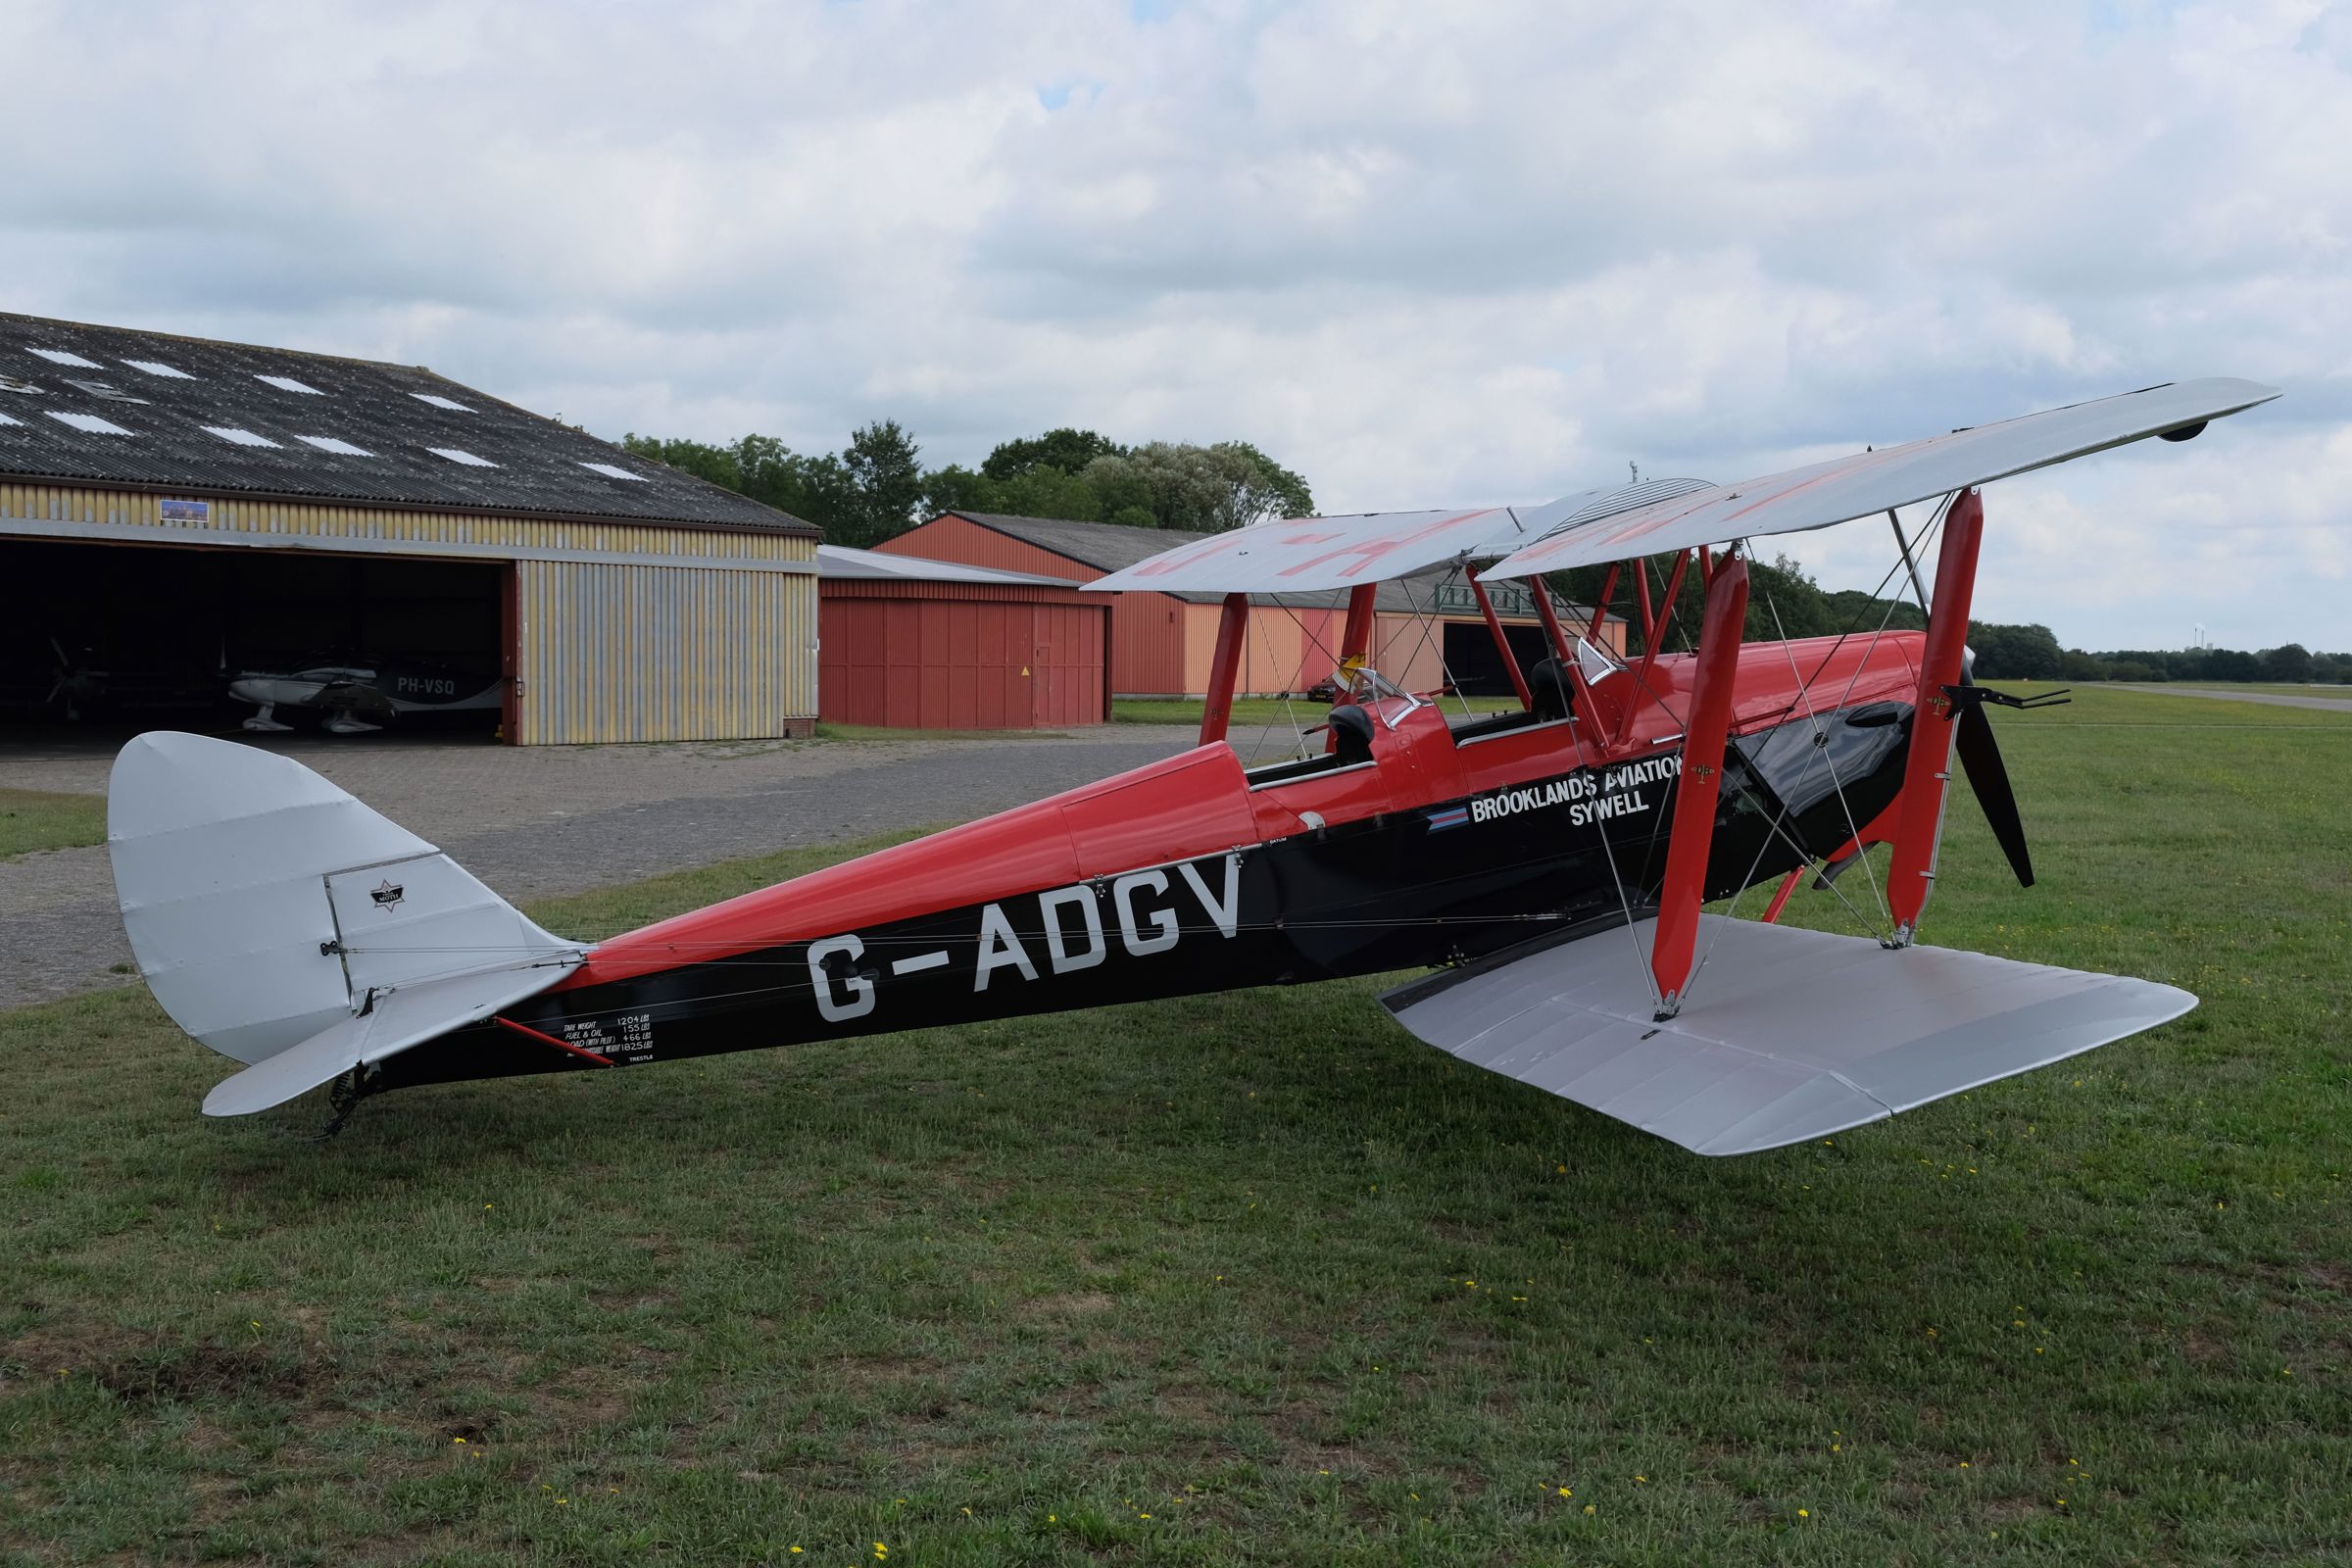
point(265, 721)
point(341, 722)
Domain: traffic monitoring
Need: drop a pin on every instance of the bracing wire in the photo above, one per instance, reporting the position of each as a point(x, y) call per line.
point(1821, 752)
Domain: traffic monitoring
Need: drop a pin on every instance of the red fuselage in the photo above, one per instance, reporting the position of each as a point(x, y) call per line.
point(1449, 840)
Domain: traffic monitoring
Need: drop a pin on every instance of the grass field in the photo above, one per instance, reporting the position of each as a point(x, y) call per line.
point(47, 819)
point(2334, 693)
point(1253, 1278)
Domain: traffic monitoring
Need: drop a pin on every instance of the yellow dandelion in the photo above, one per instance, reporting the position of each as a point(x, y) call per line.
point(1587, 1507)
point(1566, 1493)
point(1804, 1513)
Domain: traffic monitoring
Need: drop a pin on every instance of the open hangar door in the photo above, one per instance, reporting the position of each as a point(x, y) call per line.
point(144, 636)
point(1476, 665)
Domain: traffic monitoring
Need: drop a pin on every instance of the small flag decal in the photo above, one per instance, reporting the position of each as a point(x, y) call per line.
point(1449, 816)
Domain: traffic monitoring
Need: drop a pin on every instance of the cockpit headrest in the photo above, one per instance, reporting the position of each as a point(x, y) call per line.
point(1352, 734)
point(1547, 685)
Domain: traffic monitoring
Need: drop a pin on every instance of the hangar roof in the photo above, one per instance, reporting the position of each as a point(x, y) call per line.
point(1109, 547)
point(115, 406)
point(842, 564)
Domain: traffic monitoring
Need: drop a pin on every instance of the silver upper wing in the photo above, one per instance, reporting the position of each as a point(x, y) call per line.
point(1845, 488)
point(1307, 555)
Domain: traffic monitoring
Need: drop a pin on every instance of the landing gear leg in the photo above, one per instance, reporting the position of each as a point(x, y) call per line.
point(265, 721)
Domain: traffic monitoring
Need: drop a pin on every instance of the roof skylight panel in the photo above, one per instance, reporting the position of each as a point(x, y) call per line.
point(61, 356)
point(236, 437)
point(457, 455)
point(9, 383)
point(87, 421)
point(440, 401)
point(103, 389)
point(159, 368)
point(286, 383)
point(610, 471)
point(5, 420)
point(336, 445)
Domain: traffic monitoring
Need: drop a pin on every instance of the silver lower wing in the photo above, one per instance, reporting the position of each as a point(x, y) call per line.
point(1788, 1034)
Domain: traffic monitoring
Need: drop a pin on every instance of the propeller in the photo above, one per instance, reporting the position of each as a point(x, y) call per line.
point(1988, 775)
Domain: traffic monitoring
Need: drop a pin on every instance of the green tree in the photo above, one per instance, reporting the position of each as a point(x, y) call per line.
point(886, 479)
point(955, 488)
point(2015, 652)
point(1067, 449)
point(1852, 609)
point(2289, 664)
point(1047, 491)
point(715, 464)
point(1201, 489)
point(1266, 487)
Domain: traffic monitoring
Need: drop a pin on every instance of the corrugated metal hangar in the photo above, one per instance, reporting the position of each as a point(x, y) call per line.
point(1425, 628)
point(912, 643)
point(173, 511)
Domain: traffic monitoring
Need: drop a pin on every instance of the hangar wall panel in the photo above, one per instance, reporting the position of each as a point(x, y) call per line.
point(634, 653)
point(1274, 654)
point(960, 656)
point(1147, 630)
point(256, 520)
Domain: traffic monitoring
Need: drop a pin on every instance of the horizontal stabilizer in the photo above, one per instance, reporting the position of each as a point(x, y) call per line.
point(1786, 1034)
point(399, 1019)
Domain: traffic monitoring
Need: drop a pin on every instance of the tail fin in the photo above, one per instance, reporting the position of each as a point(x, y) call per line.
point(269, 910)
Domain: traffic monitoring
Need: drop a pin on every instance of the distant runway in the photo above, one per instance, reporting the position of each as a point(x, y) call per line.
point(2327, 705)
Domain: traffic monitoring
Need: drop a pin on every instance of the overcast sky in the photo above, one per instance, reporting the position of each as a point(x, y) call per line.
point(1423, 254)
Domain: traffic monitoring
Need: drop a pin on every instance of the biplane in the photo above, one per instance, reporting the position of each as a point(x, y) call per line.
point(1550, 866)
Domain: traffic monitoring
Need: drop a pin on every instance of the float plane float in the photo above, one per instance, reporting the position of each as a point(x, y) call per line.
point(1548, 865)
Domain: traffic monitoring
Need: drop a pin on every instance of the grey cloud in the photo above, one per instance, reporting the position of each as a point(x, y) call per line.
point(1425, 254)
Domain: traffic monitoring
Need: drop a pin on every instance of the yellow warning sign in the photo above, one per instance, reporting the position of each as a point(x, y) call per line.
point(1024, 669)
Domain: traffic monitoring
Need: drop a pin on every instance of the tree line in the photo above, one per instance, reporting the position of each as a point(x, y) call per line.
point(876, 486)
point(1783, 600)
